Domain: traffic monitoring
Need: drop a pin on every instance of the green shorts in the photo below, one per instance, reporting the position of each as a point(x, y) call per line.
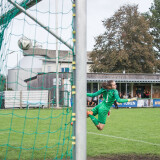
point(102, 111)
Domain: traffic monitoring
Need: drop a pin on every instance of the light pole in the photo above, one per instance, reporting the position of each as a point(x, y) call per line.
point(57, 68)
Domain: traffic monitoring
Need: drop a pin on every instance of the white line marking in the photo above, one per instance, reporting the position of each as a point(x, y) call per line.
point(124, 138)
point(127, 139)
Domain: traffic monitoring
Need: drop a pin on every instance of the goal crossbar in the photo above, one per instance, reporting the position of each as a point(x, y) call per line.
point(29, 4)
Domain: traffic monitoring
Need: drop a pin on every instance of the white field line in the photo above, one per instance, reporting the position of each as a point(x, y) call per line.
point(127, 139)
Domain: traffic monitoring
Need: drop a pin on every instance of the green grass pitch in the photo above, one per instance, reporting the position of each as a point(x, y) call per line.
point(46, 133)
point(127, 131)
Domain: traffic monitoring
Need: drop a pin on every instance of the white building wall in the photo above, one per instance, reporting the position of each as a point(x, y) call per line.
point(16, 77)
point(51, 67)
point(48, 67)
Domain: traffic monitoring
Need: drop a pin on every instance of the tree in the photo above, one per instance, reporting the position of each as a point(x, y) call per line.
point(125, 45)
point(154, 18)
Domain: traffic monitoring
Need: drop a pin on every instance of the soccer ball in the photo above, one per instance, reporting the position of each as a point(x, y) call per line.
point(24, 43)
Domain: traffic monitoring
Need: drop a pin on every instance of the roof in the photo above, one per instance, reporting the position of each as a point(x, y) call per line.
point(30, 79)
point(50, 55)
point(118, 77)
point(124, 78)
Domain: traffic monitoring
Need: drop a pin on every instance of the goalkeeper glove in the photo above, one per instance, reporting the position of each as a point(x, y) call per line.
point(132, 99)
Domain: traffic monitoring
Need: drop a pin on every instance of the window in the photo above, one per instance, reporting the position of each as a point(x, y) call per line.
point(88, 87)
point(95, 87)
point(65, 69)
point(62, 69)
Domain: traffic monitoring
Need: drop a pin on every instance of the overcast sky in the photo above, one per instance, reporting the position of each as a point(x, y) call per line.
point(98, 10)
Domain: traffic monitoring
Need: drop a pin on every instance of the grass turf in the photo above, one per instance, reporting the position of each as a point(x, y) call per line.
point(35, 134)
point(127, 131)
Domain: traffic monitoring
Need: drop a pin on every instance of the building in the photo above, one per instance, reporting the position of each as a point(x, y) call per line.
point(39, 61)
point(65, 59)
point(127, 83)
point(27, 67)
point(45, 76)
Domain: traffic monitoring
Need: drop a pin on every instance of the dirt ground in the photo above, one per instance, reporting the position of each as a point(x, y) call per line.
point(125, 157)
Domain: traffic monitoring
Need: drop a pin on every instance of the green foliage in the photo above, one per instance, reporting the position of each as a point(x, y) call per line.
point(125, 45)
point(154, 18)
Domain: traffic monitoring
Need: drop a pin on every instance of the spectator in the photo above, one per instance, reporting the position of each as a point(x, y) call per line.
point(89, 101)
point(120, 95)
point(129, 96)
point(144, 94)
point(125, 96)
point(147, 94)
point(94, 101)
point(139, 95)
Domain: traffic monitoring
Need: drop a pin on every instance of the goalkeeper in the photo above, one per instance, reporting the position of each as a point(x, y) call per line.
point(109, 95)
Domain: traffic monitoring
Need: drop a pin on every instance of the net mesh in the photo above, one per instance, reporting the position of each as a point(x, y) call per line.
point(32, 127)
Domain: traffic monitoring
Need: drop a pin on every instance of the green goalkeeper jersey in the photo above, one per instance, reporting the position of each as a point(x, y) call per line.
point(109, 96)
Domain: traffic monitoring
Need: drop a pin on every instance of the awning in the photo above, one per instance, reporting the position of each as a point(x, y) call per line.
point(125, 80)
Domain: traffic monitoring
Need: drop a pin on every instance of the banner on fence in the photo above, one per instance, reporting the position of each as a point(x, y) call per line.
point(156, 102)
point(140, 103)
point(143, 103)
point(128, 104)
